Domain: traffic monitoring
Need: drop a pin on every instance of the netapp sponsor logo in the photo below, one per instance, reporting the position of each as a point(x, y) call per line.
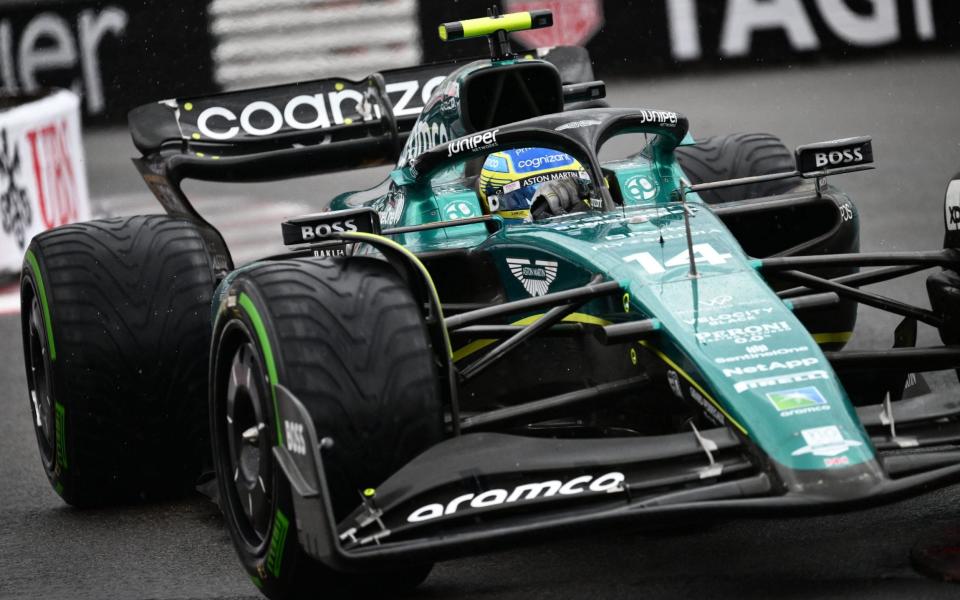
point(761, 351)
point(849, 156)
point(771, 366)
point(472, 142)
point(610, 483)
point(658, 117)
point(740, 316)
point(744, 335)
point(787, 378)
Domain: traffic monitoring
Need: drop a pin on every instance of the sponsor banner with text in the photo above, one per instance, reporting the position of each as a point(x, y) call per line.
point(43, 183)
point(114, 54)
point(637, 37)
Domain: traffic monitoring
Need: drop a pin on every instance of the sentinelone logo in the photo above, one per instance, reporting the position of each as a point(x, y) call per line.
point(610, 483)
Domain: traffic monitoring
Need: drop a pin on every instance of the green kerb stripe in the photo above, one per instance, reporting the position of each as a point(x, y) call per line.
point(247, 304)
point(43, 302)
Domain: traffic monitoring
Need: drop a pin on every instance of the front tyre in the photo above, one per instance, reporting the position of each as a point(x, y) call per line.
point(346, 337)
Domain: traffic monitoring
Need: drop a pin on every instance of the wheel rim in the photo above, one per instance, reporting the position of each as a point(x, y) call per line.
point(249, 461)
point(41, 403)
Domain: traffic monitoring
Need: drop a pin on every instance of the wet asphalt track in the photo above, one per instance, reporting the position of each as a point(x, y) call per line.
point(180, 550)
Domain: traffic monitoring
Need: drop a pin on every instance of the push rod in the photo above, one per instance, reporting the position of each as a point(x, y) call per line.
point(540, 410)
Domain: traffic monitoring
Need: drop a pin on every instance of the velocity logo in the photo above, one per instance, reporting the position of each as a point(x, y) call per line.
point(537, 277)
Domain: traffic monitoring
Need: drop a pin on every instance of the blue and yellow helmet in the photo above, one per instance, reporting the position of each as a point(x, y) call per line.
point(509, 179)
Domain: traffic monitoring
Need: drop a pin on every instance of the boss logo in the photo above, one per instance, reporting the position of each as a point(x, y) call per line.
point(851, 152)
point(838, 157)
point(309, 232)
point(296, 442)
point(316, 228)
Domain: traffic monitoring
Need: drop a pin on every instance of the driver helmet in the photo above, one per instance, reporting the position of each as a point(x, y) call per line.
point(509, 179)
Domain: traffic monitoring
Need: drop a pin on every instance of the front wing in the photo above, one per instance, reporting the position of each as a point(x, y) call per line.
point(481, 491)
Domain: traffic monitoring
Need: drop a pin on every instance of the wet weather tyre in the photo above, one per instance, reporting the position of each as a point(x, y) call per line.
point(347, 338)
point(738, 155)
point(116, 330)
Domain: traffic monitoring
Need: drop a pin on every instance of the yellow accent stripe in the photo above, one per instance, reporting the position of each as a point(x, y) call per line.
point(700, 389)
point(474, 346)
point(379, 239)
point(514, 214)
point(839, 337)
point(477, 345)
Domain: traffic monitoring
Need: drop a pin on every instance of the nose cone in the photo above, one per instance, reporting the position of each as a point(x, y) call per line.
point(834, 484)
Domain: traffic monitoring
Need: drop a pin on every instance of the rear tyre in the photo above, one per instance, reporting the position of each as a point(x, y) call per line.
point(738, 155)
point(750, 154)
point(115, 323)
point(346, 337)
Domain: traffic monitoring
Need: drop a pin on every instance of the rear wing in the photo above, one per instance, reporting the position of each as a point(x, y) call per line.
point(310, 127)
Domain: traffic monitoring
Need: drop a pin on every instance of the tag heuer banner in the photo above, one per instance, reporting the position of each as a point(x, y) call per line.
point(43, 181)
point(637, 38)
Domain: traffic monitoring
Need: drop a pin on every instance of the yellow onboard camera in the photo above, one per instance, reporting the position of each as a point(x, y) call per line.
point(496, 27)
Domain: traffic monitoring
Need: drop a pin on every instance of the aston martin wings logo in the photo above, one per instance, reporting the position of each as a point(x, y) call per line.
point(537, 277)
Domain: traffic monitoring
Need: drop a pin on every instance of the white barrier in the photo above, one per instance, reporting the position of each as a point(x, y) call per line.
point(43, 182)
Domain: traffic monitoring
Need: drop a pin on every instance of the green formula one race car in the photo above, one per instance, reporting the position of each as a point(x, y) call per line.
point(514, 336)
